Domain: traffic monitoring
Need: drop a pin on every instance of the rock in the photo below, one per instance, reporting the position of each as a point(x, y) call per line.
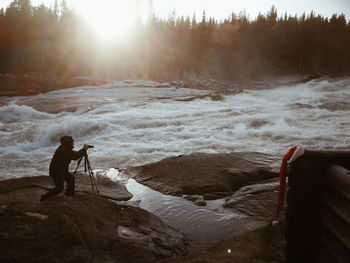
point(22, 188)
point(257, 201)
point(83, 228)
point(339, 105)
point(203, 173)
point(200, 202)
point(216, 195)
point(313, 76)
point(264, 245)
point(196, 199)
point(32, 83)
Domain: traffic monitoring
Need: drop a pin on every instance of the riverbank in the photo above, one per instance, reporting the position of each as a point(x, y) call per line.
point(31, 83)
point(208, 197)
point(246, 181)
point(83, 228)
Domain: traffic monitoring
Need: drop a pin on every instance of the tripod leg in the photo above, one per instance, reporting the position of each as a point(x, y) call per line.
point(79, 161)
point(92, 178)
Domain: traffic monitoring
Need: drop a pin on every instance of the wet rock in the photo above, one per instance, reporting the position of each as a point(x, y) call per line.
point(257, 201)
point(216, 195)
point(302, 106)
point(196, 199)
point(216, 97)
point(340, 105)
point(200, 202)
point(83, 228)
point(314, 76)
point(258, 123)
point(203, 173)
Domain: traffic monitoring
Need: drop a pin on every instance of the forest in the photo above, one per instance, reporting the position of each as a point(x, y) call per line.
point(56, 40)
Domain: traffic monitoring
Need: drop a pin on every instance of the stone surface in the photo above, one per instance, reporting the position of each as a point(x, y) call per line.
point(32, 83)
point(264, 245)
point(23, 188)
point(206, 174)
point(83, 228)
point(257, 201)
point(196, 199)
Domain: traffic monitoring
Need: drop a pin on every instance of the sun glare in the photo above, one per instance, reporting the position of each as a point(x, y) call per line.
point(110, 19)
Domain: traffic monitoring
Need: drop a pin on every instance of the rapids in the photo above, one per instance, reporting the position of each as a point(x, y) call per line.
point(137, 122)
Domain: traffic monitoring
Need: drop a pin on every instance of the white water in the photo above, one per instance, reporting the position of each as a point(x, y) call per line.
point(133, 123)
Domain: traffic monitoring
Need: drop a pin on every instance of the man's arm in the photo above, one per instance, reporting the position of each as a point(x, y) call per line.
point(75, 155)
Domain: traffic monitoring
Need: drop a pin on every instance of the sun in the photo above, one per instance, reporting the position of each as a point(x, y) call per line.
point(111, 20)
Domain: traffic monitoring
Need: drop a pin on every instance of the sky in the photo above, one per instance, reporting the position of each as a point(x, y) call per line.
point(218, 8)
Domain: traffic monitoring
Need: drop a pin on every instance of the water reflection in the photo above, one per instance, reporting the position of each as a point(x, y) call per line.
point(204, 226)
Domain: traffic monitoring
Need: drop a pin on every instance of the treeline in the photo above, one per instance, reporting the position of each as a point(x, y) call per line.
point(58, 41)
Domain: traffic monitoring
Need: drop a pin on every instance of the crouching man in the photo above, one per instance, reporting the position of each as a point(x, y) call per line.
point(59, 167)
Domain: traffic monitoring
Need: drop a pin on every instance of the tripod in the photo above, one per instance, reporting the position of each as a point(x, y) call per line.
point(88, 169)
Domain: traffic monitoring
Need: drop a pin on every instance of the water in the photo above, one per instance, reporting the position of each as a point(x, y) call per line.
point(203, 225)
point(138, 122)
point(133, 123)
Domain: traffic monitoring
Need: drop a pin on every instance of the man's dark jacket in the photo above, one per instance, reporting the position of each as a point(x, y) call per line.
point(61, 159)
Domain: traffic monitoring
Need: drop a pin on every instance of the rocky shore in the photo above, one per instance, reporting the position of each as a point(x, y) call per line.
point(83, 228)
point(247, 181)
point(34, 83)
point(88, 228)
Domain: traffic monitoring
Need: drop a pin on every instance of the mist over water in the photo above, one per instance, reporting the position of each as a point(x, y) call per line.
point(133, 123)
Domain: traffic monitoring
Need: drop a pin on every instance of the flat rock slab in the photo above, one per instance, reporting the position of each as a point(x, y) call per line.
point(211, 175)
point(257, 201)
point(16, 188)
point(83, 228)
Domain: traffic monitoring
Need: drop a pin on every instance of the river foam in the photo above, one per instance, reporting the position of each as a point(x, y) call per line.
point(133, 123)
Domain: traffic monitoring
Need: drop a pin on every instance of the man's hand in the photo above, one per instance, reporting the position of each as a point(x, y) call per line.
point(85, 147)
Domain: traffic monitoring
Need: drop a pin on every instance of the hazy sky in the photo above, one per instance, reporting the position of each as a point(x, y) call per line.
point(222, 8)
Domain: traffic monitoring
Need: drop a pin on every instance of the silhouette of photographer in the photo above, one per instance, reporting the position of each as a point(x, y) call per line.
point(59, 167)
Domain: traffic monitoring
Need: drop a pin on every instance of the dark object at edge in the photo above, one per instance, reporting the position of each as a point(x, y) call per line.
point(318, 220)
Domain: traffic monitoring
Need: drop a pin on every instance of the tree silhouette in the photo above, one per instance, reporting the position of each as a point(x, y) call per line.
point(57, 41)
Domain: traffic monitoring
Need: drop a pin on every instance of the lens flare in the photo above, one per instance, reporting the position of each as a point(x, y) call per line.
point(110, 19)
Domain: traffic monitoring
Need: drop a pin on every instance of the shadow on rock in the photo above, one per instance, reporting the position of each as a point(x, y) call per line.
point(83, 228)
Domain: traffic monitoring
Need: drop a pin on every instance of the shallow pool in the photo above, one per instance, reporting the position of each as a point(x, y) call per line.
point(203, 225)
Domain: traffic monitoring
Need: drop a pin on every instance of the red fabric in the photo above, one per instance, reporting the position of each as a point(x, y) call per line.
point(283, 176)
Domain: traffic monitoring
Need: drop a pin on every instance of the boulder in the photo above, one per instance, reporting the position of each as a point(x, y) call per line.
point(211, 175)
point(83, 228)
point(257, 201)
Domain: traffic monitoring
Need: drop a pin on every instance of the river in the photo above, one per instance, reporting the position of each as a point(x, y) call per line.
point(138, 122)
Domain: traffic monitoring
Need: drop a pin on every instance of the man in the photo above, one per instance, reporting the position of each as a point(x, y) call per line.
point(59, 167)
